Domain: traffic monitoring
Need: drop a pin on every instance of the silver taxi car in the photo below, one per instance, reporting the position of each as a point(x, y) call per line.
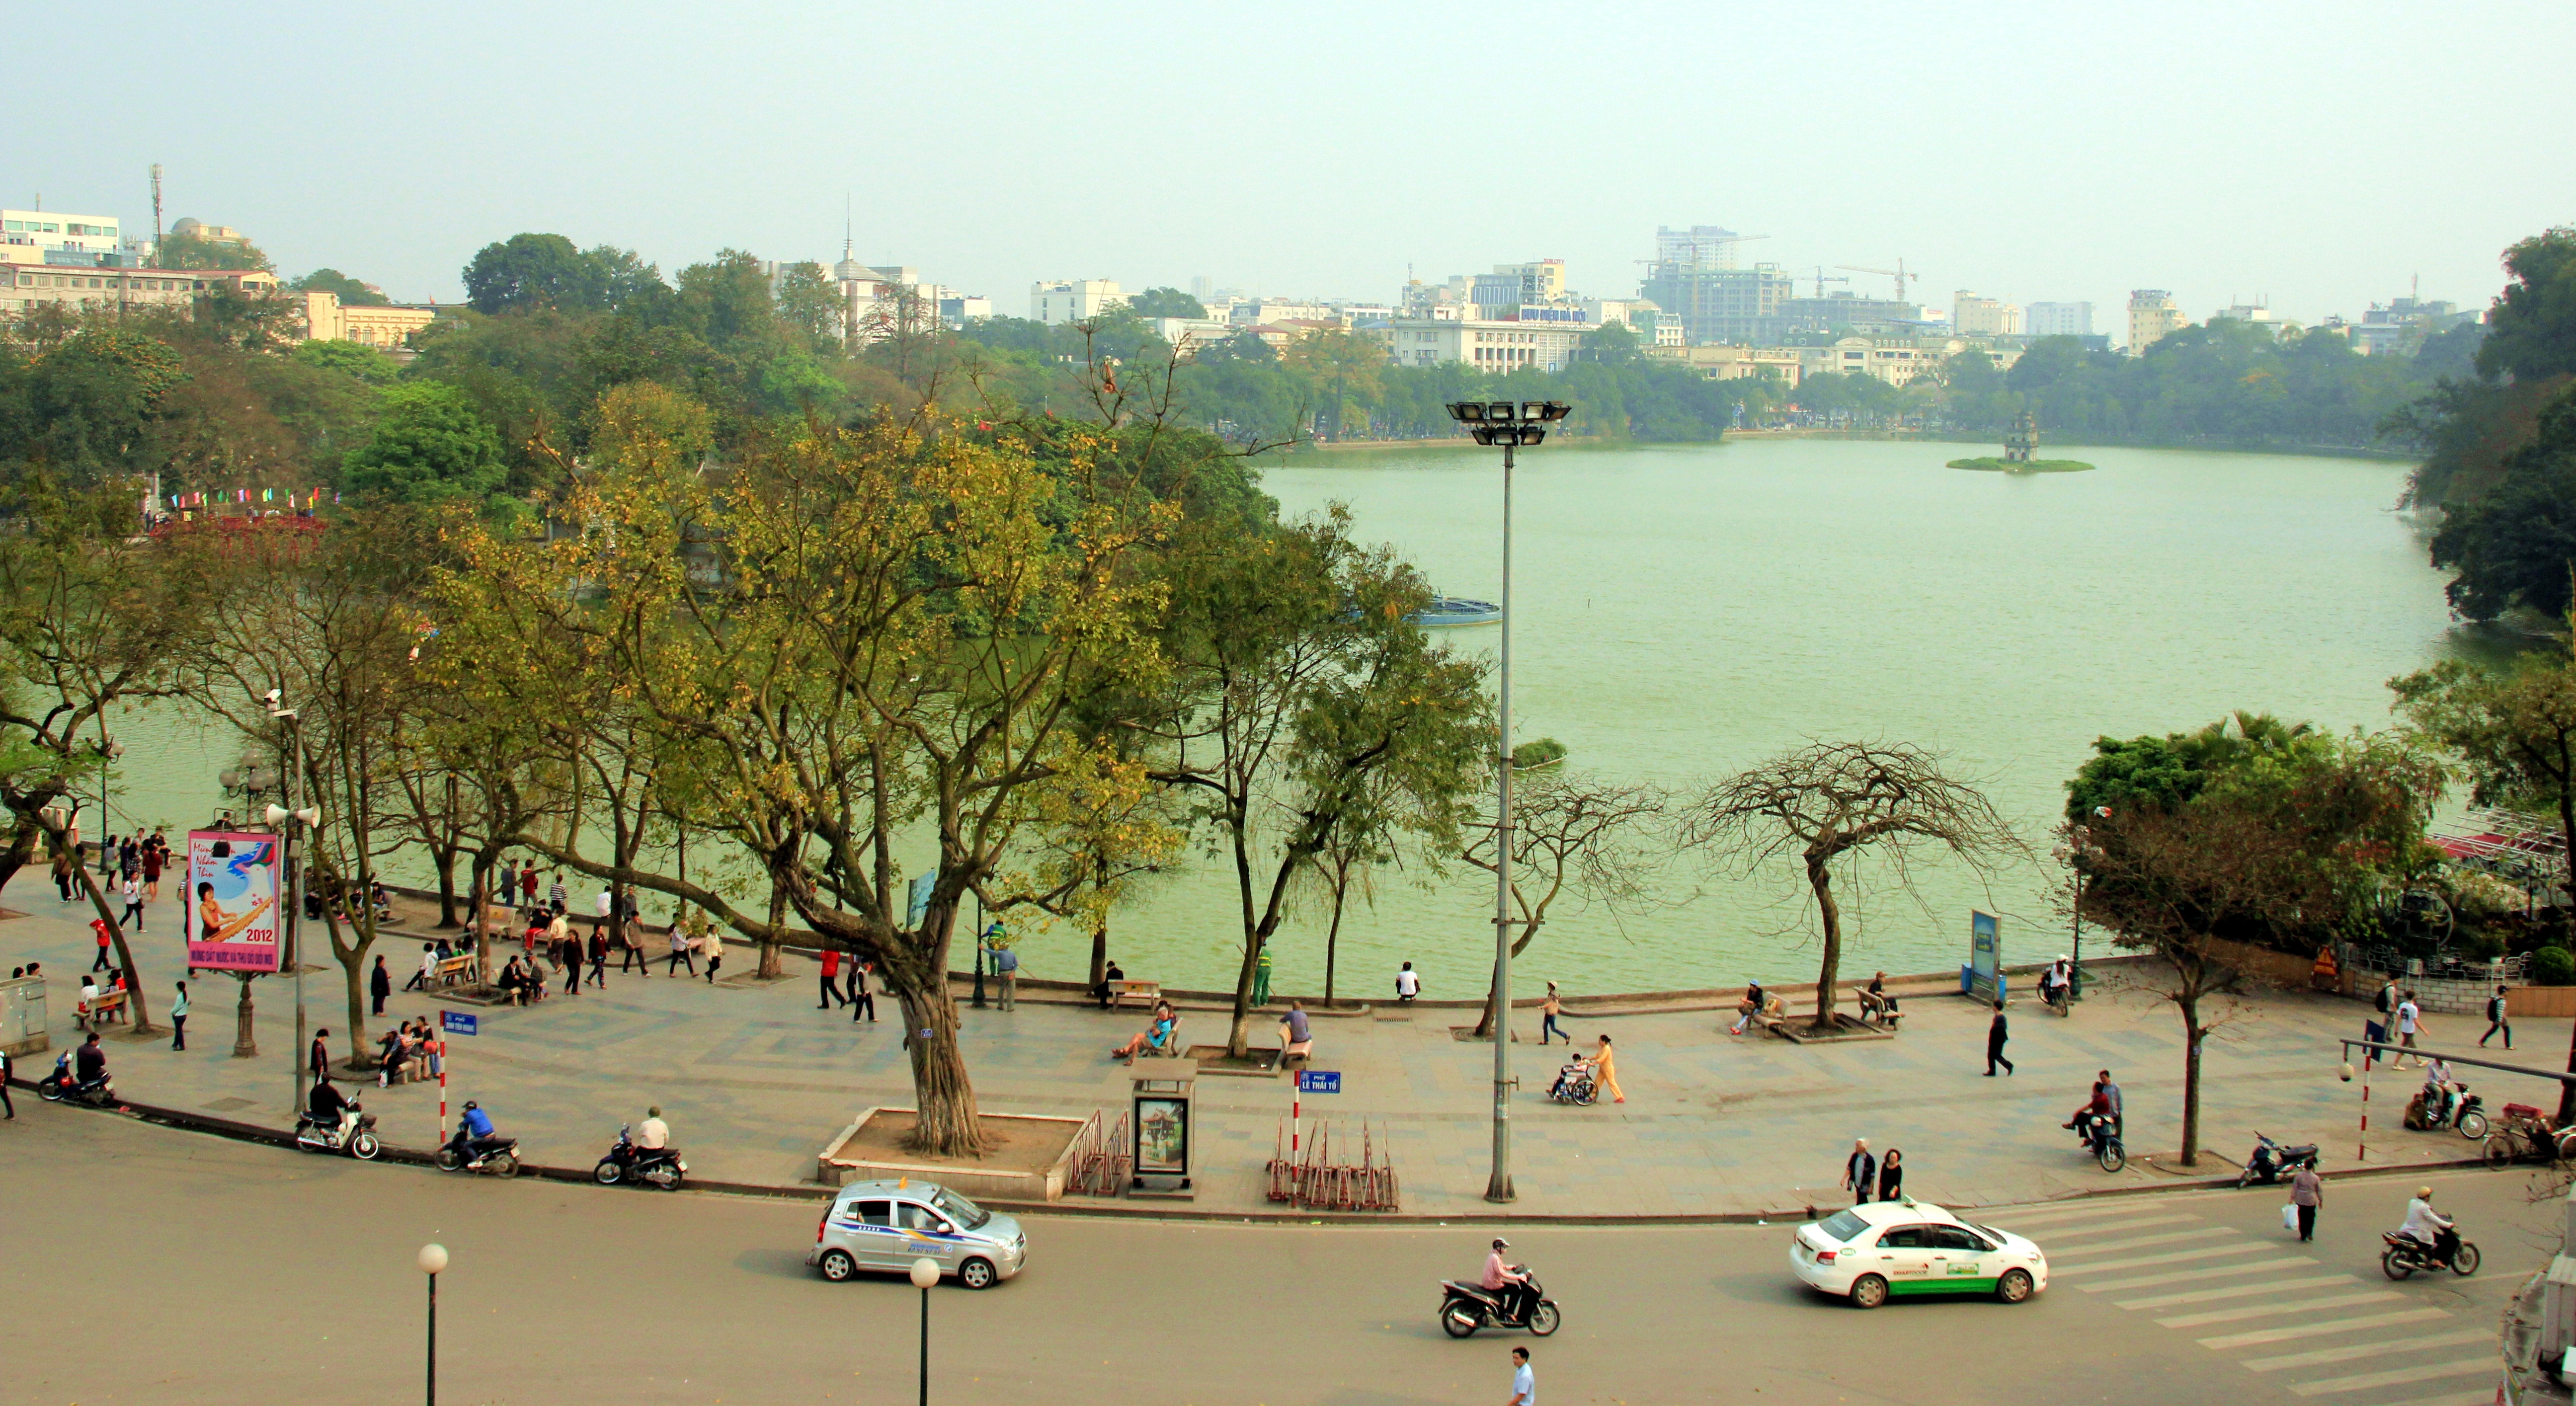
point(886, 1225)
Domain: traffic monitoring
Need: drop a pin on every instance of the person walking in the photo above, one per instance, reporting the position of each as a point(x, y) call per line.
point(2307, 1192)
point(99, 928)
point(630, 935)
point(1860, 1172)
point(1552, 1007)
point(133, 890)
point(2410, 1019)
point(862, 1000)
point(555, 895)
point(1607, 1073)
point(1408, 984)
point(179, 1018)
point(153, 856)
point(715, 954)
point(572, 963)
point(2497, 1019)
point(1996, 1034)
point(602, 908)
point(832, 980)
point(1524, 1387)
point(599, 955)
point(317, 1060)
point(4, 1087)
point(506, 883)
point(1006, 965)
point(63, 873)
point(680, 949)
point(1891, 1175)
point(528, 885)
point(380, 984)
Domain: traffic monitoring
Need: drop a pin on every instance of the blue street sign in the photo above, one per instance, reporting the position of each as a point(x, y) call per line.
point(1319, 1081)
point(458, 1023)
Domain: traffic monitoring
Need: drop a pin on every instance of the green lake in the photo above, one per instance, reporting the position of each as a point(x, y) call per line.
point(1686, 611)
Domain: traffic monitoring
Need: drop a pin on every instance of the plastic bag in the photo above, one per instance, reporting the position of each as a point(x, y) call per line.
point(2290, 1216)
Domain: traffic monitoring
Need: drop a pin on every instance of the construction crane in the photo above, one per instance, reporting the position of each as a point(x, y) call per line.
point(1898, 273)
point(1821, 280)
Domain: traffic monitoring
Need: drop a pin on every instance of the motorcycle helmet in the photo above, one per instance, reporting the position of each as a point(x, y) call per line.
point(2423, 1193)
point(471, 1105)
point(1501, 1244)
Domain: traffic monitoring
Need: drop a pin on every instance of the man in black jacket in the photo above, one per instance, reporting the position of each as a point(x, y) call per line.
point(1996, 1034)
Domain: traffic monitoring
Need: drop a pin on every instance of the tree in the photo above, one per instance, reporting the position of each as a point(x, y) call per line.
point(1572, 835)
point(349, 291)
point(535, 271)
point(2531, 332)
point(1827, 801)
point(1165, 302)
point(88, 406)
point(2514, 546)
point(430, 447)
point(350, 359)
point(2513, 730)
point(194, 251)
point(810, 302)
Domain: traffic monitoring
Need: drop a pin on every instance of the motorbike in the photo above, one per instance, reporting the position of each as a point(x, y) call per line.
point(1464, 1308)
point(60, 1085)
point(497, 1155)
point(2273, 1163)
point(2406, 1254)
point(625, 1162)
point(358, 1139)
point(2468, 1116)
point(2102, 1138)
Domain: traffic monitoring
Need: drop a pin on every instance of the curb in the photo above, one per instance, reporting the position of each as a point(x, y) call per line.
point(415, 1157)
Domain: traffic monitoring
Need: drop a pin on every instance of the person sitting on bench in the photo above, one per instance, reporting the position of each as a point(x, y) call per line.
point(1155, 1037)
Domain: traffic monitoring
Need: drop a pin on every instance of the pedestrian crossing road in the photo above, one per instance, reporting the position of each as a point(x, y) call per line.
point(2310, 1322)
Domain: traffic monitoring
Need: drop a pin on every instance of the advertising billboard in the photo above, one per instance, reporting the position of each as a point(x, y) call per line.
point(230, 918)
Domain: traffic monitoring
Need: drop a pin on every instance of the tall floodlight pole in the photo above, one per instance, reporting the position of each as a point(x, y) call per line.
point(285, 818)
point(1509, 424)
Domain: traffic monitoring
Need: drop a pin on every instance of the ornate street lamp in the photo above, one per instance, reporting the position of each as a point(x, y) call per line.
point(1510, 424)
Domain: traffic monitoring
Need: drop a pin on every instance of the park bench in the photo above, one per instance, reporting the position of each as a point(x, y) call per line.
point(1145, 992)
point(1172, 1046)
point(452, 971)
point(101, 1008)
point(1881, 1011)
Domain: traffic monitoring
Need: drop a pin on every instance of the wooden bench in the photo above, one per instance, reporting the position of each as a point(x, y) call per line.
point(1881, 1011)
point(101, 1007)
point(452, 971)
point(1145, 992)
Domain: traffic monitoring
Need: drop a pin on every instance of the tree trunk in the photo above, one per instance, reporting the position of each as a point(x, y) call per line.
point(950, 1125)
point(2191, 1034)
point(1333, 934)
point(1822, 881)
point(445, 860)
point(1238, 1035)
point(353, 971)
point(116, 931)
point(21, 851)
point(770, 966)
point(245, 1036)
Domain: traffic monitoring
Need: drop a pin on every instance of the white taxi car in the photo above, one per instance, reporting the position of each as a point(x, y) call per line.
point(1907, 1247)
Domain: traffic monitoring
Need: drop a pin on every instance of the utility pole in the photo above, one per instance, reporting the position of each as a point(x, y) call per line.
point(156, 212)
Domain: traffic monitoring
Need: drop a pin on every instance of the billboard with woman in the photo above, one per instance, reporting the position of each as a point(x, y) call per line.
point(231, 911)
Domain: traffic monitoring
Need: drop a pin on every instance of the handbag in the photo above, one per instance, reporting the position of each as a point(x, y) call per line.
point(2290, 1215)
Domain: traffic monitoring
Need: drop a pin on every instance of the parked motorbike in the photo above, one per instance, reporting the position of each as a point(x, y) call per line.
point(2102, 1138)
point(60, 1086)
point(358, 1139)
point(497, 1155)
point(2272, 1162)
point(625, 1162)
point(2406, 1254)
point(1464, 1308)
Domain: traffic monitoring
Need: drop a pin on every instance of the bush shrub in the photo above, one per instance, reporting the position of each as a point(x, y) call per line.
point(2553, 966)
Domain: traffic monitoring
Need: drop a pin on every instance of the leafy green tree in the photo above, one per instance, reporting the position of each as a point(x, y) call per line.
point(535, 271)
point(2532, 330)
point(430, 447)
point(188, 251)
point(2514, 546)
point(1165, 302)
point(350, 359)
point(350, 291)
point(2140, 771)
point(88, 406)
point(810, 302)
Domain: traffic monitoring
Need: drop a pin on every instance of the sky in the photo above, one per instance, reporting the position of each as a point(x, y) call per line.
point(2316, 156)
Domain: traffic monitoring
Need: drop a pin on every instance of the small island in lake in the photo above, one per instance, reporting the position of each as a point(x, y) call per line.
point(2021, 442)
point(2023, 466)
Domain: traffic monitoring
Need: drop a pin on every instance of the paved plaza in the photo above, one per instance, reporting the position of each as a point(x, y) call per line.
point(754, 1080)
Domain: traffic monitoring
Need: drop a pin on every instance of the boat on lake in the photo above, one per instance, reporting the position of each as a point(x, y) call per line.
point(1448, 611)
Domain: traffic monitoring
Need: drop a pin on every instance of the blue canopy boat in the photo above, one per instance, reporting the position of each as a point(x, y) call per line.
point(1447, 611)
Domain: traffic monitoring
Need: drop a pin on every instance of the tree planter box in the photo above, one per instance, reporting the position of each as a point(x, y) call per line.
point(1031, 1163)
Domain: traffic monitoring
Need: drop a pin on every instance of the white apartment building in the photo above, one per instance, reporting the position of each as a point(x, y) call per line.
point(2153, 314)
point(26, 285)
point(2057, 320)
point(1252, 312)
point(1073, 300)
point(2258, 314)
point(1487, 346)
point(54, 237)
point(1973, 316)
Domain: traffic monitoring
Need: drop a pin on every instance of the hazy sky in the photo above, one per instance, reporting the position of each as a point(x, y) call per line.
point(2317, 154)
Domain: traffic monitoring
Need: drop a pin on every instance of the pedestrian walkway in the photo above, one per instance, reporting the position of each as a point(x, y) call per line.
point(754, 1080)
point(2302, 1327)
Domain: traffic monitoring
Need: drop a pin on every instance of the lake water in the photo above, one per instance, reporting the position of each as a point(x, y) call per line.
point(1688, 611)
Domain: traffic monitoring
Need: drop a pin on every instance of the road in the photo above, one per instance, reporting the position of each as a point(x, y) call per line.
point(150, 1265)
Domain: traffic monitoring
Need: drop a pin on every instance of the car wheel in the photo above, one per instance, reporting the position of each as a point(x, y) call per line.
point(976, 1274)
point(2113, 1156)
point(839, 1267)
point(2014, 1286)
point(364, 1147)
point(2394, 1267)
point(1868, 1291)
point(506, 1163)
point(1460, 1321)
point(2473, 1126)
point(2499, 1150)
point(1545, 1318)
point(607, 1174)
point(2464, 1261)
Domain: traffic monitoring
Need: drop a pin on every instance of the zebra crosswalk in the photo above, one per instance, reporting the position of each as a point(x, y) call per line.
point(2307, 1331)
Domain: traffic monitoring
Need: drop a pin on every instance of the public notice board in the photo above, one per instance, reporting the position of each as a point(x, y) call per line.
point(230, 914)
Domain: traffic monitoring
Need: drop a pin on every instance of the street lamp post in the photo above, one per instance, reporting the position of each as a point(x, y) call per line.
point(925, 1274)
point(433, 1258)
point(284, 818)
point(1510, 424)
